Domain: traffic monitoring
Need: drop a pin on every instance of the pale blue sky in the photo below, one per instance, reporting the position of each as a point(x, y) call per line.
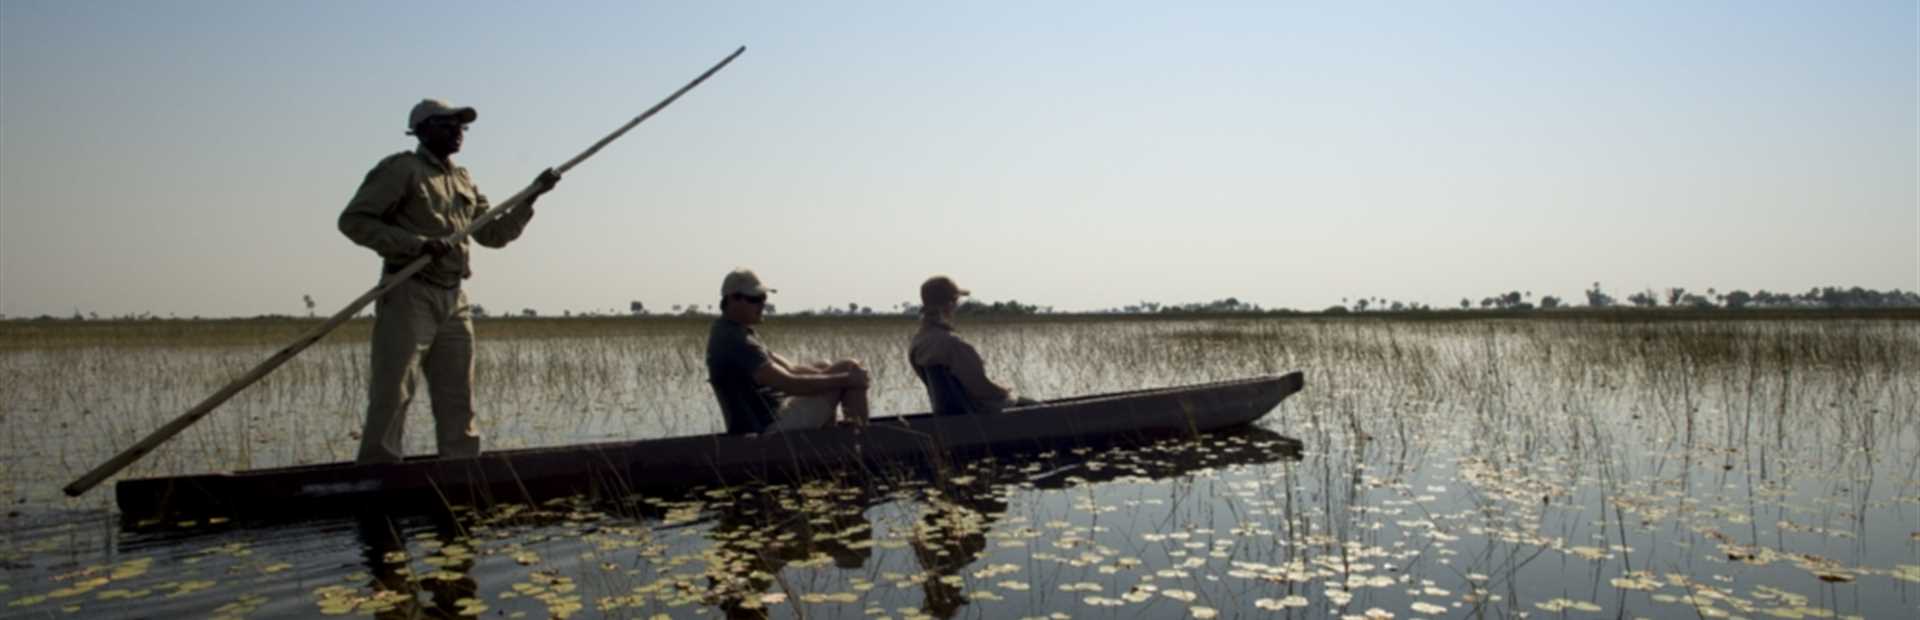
point(190, 158)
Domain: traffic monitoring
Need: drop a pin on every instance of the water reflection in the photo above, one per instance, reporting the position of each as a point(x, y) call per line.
point(1496, 468)
point(396, 590)
point(762, 529)
point(951, 535)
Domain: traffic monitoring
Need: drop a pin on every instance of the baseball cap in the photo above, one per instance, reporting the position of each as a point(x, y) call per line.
point(940, 290)
point(743, 282)
point(429, 108)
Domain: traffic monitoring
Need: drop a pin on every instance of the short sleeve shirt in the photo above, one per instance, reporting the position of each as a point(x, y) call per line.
point(734, 351)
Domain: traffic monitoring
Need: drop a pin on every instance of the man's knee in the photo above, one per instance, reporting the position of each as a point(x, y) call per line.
point(845, 365)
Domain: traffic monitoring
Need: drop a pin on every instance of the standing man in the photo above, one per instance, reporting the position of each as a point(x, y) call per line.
point(410, 204)
point(938, 346)
point(761, 392)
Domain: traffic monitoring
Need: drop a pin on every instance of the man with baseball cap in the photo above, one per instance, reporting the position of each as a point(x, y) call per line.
point(408, 206)
point(761, 392)
point(938, 352)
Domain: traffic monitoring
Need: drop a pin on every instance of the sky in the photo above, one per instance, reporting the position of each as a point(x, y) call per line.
point(191, 158)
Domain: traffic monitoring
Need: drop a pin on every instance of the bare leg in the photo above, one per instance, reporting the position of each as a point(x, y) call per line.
point(853, 401)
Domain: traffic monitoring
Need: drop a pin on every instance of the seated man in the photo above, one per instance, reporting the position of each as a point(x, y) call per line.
point(761, 392)
point(938, 349)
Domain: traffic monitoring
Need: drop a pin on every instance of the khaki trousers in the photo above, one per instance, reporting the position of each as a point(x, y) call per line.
point(420, 325)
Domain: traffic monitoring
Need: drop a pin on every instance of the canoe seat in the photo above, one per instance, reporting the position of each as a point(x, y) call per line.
point(944, 391)
point(743, 408)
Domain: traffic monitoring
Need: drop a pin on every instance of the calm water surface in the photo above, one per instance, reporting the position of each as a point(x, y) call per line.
point(1486, 469)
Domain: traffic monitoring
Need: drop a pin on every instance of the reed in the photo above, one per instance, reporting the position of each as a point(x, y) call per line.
point(1585, 447)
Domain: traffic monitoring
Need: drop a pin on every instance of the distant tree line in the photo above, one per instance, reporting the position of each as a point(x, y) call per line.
point(1003, 308)
point(1380, 304)
point(1230, 305)
point(1818, 297)
point(1828, 297)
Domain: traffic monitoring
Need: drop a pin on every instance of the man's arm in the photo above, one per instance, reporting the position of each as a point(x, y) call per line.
point(364, 221)
point(775, 374)
point(504, 230)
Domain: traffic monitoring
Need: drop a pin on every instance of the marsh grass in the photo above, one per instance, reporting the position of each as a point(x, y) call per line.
point(1638, 464)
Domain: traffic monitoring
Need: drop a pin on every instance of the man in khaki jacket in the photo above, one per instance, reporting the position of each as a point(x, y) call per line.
point(408, 206)
point(938, 345)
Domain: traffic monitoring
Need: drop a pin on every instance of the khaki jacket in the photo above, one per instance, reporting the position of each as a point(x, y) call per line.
point(410, 198)
point(938, 345)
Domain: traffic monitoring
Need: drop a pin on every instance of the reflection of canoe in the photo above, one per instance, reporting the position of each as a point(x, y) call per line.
point(620, 468)
point(1248, 445)
point(760, 529)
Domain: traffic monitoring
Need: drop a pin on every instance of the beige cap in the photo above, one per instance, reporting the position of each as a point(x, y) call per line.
point(429, 108)
point(743, 282)
point(941, 290)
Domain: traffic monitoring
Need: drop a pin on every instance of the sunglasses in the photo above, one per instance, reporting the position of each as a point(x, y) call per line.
point(755, 300)
point(445, 123)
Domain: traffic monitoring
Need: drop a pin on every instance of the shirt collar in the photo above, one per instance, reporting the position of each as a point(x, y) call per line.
point(743, 326)
point(934, 320)
point(434, 159)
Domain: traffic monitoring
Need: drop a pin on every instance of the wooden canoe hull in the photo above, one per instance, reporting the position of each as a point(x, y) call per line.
point(619, 469)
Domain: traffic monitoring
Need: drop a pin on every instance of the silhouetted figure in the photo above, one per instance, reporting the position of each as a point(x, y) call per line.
point(952, 370)
point(407, 207)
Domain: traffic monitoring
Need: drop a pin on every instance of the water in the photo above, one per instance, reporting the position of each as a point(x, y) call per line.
point(1577, 468)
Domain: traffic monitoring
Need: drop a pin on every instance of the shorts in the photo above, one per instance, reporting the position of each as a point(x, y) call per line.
point(805, 412)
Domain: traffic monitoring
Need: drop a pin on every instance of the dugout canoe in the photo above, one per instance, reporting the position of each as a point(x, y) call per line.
point(620, 469)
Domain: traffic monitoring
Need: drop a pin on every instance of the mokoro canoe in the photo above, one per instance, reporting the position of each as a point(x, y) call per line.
point(620, 469)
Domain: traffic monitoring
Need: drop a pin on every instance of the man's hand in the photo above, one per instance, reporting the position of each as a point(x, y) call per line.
point(545, 182)
point(435, 247)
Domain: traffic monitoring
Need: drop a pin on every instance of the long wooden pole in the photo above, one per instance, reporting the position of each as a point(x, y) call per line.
point(157, 437)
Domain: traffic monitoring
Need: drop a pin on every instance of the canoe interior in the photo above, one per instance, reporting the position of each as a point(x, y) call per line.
point(612, 470)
